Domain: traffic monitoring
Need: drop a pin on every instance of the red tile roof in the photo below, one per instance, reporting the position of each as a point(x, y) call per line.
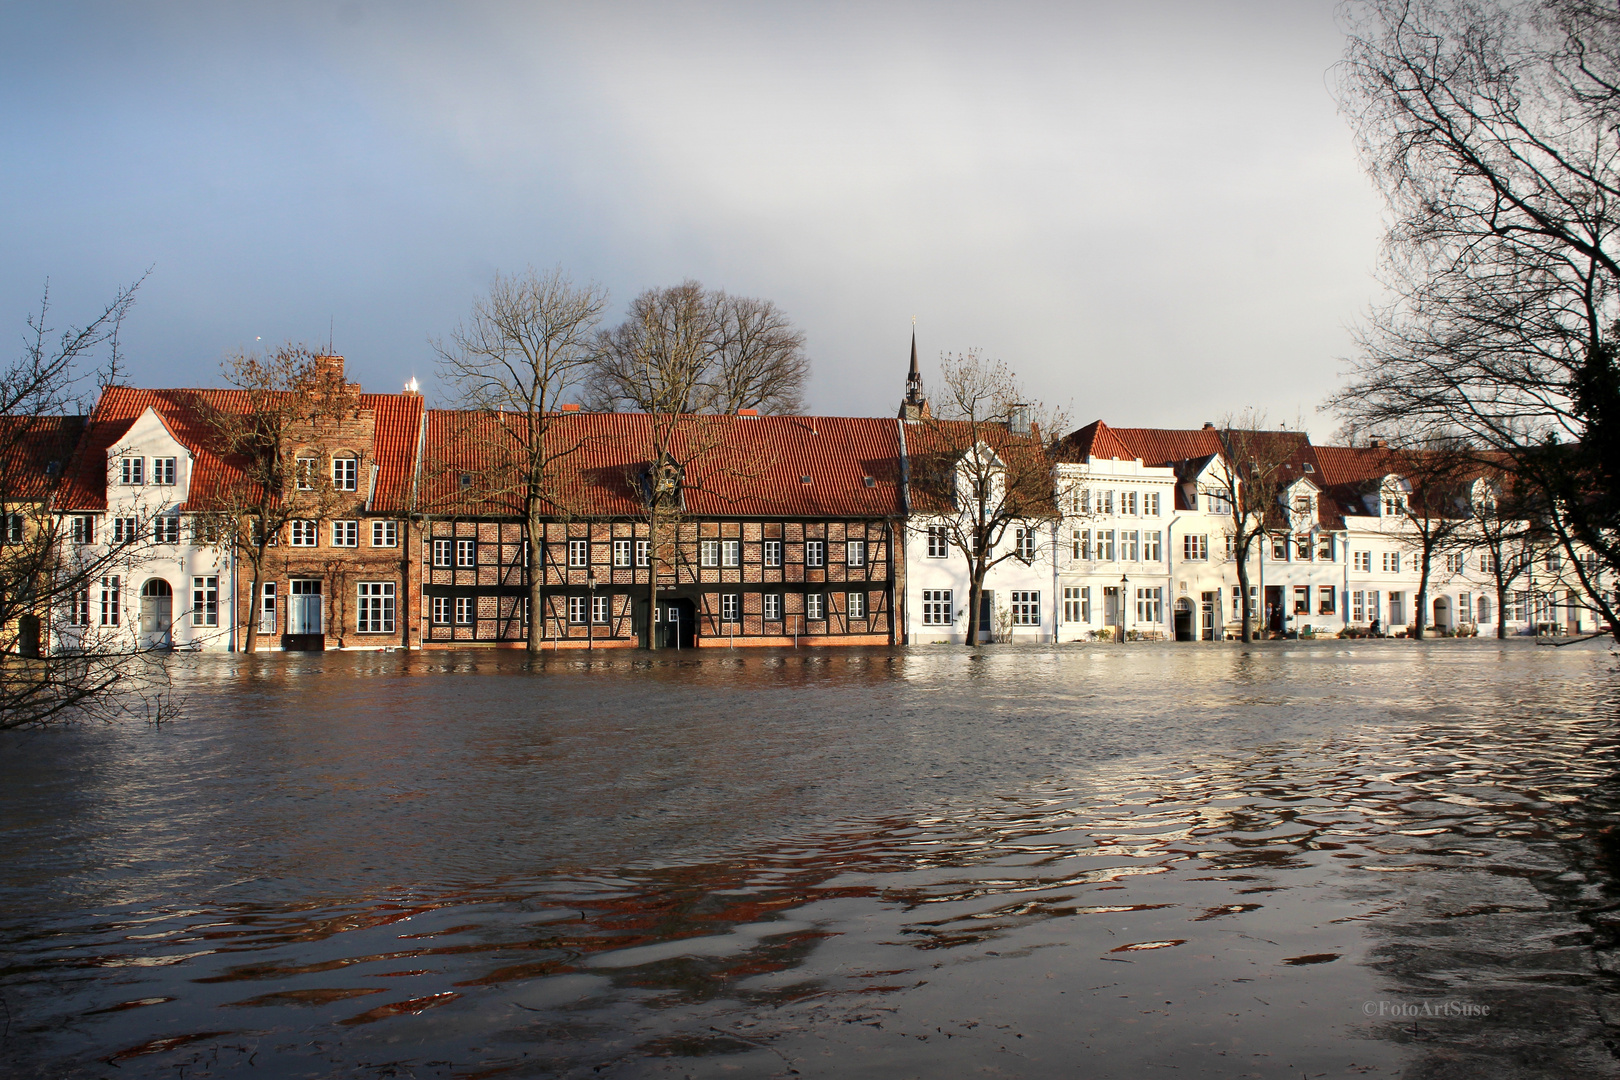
point(183, 412)
point(1095, 440)
point(35, 453)
point(1165, 446)
point(767, 466)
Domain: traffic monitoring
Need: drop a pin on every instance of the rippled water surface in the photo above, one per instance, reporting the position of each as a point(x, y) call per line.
point(1321, 859)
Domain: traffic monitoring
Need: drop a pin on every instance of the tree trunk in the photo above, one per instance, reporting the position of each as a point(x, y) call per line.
point(976, 588)
point(1421, 600)
point(1501, 609)
point(253, 608)
point(536, 571)
point(652, 582)
point(1243, 595)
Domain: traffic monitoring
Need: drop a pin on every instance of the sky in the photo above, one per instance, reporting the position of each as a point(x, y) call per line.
point(1152, 212)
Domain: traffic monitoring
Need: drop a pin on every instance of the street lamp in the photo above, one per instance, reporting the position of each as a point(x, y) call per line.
point(1124, 600)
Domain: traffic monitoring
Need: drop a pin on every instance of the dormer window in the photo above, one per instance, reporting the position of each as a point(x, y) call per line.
point(132, 471)
point(163, 470)
point(1302, 505)
point(1392, 505)
point(345, 473)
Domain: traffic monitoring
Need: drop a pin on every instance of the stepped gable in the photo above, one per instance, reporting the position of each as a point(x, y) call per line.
point(738, 466)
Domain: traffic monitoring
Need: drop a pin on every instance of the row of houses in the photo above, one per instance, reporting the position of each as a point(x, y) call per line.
point(784, 530)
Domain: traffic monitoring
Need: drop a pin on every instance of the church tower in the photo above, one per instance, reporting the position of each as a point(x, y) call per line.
point(915, 406)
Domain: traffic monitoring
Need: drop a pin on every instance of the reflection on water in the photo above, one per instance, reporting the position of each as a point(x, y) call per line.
point(1104, 861)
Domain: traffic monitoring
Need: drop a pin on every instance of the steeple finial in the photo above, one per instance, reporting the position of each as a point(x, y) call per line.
point(915, 406)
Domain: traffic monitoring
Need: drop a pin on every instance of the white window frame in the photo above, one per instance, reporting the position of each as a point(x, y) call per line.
point(815, 554)
point(304, 472)
point(1152, 548)
point(855, 553)
point(126, 530)
point(267, 608)
point(466, 553)
point(385, 534)
point(374, 608)
point(730, 607)
point(815, 606)
point(466, 611)
point(939, 542)
point(579, 554)
point(772, 607)
point(601, 609)
point(345, 473)
point(443, 557)
point(441, 611)
point(709, 554)
point(303, 533)
point(205, 601)
point(643, 552)
point(576, 611)
point(132, 471)
point(937, 607)
point(621, 553)
point(1025, 605)
point(730, 553)
point(164, 471)
point(773, 554)
point(855, 605)
point(346, 533)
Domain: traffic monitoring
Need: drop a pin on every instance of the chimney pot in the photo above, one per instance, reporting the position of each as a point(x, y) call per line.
point(1208, 426)
point(747, 412)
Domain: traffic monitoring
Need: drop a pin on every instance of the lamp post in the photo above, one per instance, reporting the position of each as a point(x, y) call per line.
point(1124, 599)
point(590, 612)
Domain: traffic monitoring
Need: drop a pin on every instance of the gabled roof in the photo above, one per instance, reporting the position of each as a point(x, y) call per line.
point(1166, 446)
point(35, 453)
point(1095, 440)
point(184, 413)
point(736, 466)
point(935, 446)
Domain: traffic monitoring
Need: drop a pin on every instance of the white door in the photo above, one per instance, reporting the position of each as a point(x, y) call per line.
point(304, 606)
point(157, 614)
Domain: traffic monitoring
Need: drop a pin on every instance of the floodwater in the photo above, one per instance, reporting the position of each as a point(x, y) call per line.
point(1328, 859)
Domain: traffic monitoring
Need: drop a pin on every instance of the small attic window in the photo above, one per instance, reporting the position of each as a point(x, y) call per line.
point(868, 481)
point(466, 480)
point(52, 468)
point(1308, 467)
point(804, 479)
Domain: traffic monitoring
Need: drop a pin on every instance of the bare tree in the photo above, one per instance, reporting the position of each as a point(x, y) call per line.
point(1492, 129)
point(1248, 479)
point(980, 468)
point(288, 397)
point(1434, 511)
point(528, 345)
point(54, 665)
point(734, 353)
point(1498, 524)
point(655, 362)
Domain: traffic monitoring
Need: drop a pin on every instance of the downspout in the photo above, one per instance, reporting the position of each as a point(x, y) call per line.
point(1057, 595)
point(903, 587)
point(409, 544)
point(1170, 575)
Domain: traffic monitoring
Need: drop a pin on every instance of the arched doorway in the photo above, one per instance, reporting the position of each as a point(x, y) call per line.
point(157, 614)
point(1184, 619)
point(1442, 613)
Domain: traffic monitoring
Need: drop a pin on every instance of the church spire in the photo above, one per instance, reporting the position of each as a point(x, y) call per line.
point(915, 406)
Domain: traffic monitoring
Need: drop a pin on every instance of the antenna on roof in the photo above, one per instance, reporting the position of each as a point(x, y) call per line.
point(331, 323)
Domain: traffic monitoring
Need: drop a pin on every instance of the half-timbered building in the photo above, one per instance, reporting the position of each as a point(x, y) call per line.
point(782, 529)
